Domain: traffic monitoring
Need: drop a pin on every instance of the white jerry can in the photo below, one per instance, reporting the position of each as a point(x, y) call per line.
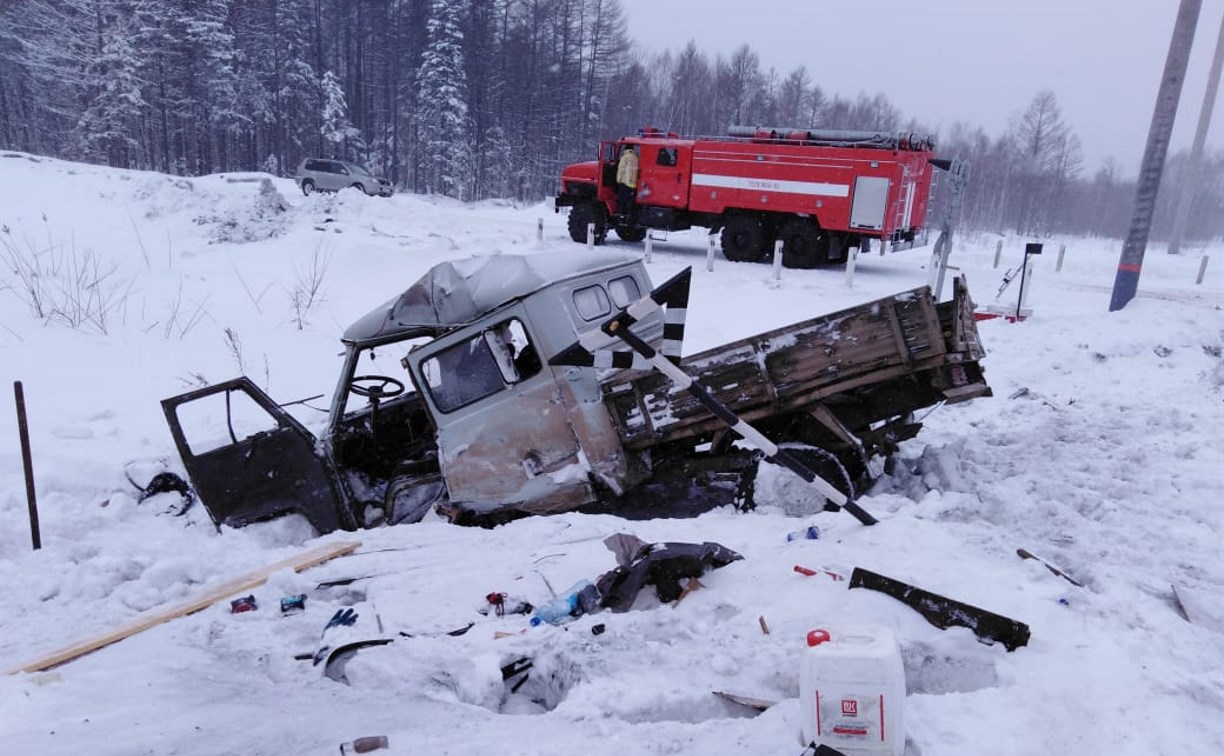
point(852, 690)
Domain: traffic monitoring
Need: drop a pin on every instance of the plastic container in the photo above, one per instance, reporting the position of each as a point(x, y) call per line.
point(810, 533)
point(561, 608)
point(852, 690)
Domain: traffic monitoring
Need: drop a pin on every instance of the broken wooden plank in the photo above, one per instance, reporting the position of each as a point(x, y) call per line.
point(204, 600)
point(759, 704)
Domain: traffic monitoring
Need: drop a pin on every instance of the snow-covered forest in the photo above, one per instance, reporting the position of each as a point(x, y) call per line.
point(477, 99)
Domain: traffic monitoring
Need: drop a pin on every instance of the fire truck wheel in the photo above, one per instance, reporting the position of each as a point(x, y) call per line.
point(630, 232)
point(583, 214)
point(803, 244)
point(742, 238)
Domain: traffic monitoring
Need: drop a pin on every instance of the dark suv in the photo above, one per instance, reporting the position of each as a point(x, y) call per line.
point(318, 174)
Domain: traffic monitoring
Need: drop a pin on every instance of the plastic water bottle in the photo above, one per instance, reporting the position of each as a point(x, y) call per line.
point(562, 607)
point(810, 533)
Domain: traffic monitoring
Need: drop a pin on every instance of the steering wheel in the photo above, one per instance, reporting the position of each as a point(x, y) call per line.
point(379, 389)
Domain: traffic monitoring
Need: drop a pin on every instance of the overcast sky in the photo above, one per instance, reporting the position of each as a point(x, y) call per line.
point(973, 60)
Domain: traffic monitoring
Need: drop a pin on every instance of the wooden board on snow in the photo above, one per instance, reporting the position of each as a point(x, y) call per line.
point(207, 598)
point(759, 704)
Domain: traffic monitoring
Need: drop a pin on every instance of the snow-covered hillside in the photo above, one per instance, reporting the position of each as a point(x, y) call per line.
point(1102, 451)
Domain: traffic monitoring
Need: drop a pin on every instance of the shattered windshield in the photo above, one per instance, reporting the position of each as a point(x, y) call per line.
point(388, 360)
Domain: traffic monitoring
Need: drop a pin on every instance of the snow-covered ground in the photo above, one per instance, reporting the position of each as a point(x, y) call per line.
point(1102, 451)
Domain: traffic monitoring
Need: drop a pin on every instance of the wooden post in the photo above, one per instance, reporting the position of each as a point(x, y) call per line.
point(591, 235)
point(649, 245)
point(1202, 270)
point(28, 463)
point(851, 259)
point(1062, 250)
point(777, 261)
point(998, 253)
point(710, 253)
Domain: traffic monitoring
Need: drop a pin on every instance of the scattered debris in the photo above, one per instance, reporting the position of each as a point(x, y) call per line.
point(821, 750)
point(598, 629)
point(244, 604)
point(580, 598)
point(451, 633)
point(1199, 607)
point(764, 627)
point(343, 637)
point(662, 565)
point(365, 745)
point(163, 482)
point(759, 704)
point(1178, 605)
point(502, 604)
point(810, 533)
point(519, 666)
point(808, 572)
point(692, 584)
point(1026, 554)
point(291, 604)
point(944, 612)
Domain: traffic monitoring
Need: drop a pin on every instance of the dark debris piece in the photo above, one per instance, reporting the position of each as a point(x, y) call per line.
point(944, 612)
point(663, 565)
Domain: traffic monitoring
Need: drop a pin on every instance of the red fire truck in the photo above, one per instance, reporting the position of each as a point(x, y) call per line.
point(819, 192)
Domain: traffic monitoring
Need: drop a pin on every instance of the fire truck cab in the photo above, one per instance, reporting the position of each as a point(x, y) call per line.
point(819, 192)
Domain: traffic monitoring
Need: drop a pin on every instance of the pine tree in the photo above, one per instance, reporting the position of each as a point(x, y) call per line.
point(340, 137)
point(294, 84)
point(109, 126)
point(442, 114)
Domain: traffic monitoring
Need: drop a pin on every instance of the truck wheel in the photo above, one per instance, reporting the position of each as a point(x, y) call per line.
point(742, 238)
point(630, 232)
point(804, 245)
point(583, 214)
point(825, 464)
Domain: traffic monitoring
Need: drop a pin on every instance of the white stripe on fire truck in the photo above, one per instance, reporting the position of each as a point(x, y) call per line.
point(818, 188)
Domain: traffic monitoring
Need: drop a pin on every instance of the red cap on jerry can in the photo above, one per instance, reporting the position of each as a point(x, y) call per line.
point(816, 637)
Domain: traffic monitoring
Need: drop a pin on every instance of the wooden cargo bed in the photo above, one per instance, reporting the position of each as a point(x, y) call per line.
point(866, 364)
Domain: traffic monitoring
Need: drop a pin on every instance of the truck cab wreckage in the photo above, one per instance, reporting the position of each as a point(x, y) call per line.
point(509, 385)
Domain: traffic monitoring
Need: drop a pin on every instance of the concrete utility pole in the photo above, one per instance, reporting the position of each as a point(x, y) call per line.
point(1126, 283)
point(1186, 199)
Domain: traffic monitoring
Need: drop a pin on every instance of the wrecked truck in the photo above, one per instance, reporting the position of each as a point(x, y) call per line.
point(450, 398)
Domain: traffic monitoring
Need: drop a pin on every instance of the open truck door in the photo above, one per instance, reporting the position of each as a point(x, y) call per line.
point(250, 460)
